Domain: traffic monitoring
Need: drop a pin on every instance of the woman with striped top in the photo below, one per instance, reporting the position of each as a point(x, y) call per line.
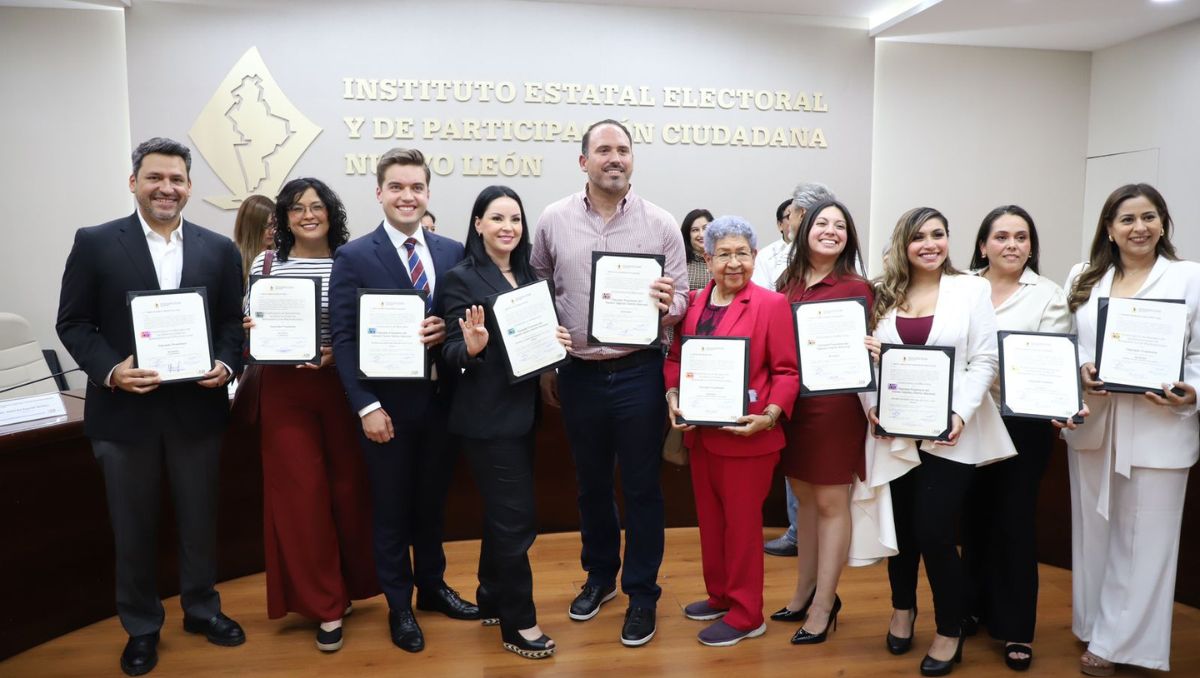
point(316, 506)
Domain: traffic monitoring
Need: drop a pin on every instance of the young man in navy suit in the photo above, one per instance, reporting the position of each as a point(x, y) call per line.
point(404, 439)
point(138, 426)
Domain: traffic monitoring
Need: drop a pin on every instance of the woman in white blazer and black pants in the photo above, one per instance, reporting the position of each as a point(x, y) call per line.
point(922, 299)
point(1129, 463)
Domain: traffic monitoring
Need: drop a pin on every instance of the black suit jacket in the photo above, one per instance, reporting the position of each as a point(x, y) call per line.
point(94, 324)
point(371, 262)
point(485, 405)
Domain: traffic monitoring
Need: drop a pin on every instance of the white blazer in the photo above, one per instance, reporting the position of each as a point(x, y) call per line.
point(1131, 430)
point(964, 319)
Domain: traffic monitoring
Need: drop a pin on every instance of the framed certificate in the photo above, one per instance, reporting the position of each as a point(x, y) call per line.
point(1039, 376)
point(528, 328)
point(829, 344)
point(171, 332)
point(714, 380)
point(621, 311)
point(916, 391)
point(287, 320)
point(389, 334)
point(1140, 343)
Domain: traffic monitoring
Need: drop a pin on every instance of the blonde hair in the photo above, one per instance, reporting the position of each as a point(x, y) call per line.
point(891, 288)
point(249, 227)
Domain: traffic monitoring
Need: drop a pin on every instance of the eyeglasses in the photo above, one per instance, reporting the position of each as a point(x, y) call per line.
point(726, 257)
point(317, 210)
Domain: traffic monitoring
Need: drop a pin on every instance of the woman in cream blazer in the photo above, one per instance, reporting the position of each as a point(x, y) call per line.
point(1129, 462)
point(908, 505)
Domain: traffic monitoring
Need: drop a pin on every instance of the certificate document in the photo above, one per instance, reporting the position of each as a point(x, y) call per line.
point(287, 320)
point(1039, 375)
point(171, 333)
point(714, 375)
point(1140, 343)
point(528, 328)
point(916, 384)
point(829, 342)
point(622, 312)
point(389, 334)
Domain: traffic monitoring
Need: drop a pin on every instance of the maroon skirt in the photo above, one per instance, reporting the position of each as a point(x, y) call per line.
point(826, 438)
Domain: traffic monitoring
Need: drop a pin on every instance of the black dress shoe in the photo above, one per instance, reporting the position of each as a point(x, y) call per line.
point(406, 635)
point(590, 598)
point(140, 655)
point(788, 615)
point(938, 667)
point(541, 648)
point(220, 630)
point(898, 645)
point(447, 601)
point(639, 626)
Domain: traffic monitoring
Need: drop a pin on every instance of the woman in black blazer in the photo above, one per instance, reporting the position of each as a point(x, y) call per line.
point(494, 418)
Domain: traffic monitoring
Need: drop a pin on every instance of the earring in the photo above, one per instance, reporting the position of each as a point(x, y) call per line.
point(1110, 238)
point(1162, 233)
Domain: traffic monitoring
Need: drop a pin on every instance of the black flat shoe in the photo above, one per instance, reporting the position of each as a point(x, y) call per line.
point(784, 614)
point(1017, 663)
point(803, 637)
point(937, 667)
point(488, 616)
point(898, 645)
point(541, 648)
point(140, 655)
point(220, 630)
point(406, 634)
point(447, 601)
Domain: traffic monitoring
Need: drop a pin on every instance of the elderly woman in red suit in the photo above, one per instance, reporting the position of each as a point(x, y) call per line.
point(732, 465)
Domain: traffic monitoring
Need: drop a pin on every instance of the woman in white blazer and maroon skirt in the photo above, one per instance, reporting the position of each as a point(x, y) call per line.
point(1129, 463)
point(915, 490)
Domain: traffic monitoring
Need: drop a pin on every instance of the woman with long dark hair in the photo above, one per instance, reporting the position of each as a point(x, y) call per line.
point(316, 504)
point(692, 231)
point(822, 460)
point(1129, 464)
point(495, 418)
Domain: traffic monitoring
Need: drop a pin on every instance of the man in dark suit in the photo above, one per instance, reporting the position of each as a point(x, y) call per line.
point(139, 426)
point(404, 438)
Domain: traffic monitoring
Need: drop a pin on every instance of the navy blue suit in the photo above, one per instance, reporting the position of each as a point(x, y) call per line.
point(410, 474)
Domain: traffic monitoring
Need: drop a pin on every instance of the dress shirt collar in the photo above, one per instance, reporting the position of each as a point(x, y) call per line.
point(398, 238)
point(587, 202)
point(176, 235)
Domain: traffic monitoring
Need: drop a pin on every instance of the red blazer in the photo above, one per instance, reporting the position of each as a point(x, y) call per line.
point(766, 318)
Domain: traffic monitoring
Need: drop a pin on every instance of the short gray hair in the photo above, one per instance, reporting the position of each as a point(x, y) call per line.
point(162, 146)
point(725, 227)
point(808, 194)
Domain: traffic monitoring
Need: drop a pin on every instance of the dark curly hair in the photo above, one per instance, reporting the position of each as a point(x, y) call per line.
point(338, 234)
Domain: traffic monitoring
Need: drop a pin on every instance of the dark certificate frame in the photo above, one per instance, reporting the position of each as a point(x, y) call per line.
point(316, 359)
point(1101, 323)
point(806, 392)
point(745, 378)
point(1007, 411)
point(596, 256)
point(363, 291)
point(491, 321)
point(949, 351)
point(203, 292)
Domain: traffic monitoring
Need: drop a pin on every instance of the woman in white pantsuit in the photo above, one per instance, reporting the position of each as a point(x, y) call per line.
point(1129, 463)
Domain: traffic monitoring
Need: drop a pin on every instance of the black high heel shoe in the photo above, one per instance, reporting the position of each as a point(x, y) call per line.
point(786, 615)
point(529, 649)
point(1018, 663)
point(937, 667)
point(803, 637)
point(898, 645)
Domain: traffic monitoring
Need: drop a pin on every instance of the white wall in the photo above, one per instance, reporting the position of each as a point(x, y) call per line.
point(1145, 94)
point(64, 131)
point(965, 129)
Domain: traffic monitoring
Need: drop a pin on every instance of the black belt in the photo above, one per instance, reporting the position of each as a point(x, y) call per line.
point(625, 362)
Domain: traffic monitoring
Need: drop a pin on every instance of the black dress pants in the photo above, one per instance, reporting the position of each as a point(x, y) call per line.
point(503, 470)
point(927, 503)
point(999, 545)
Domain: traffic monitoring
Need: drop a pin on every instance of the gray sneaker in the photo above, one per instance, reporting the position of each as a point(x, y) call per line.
point(780, 547)
point(702, 611)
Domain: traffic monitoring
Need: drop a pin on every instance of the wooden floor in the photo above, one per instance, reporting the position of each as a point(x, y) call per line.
point(285, 647)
